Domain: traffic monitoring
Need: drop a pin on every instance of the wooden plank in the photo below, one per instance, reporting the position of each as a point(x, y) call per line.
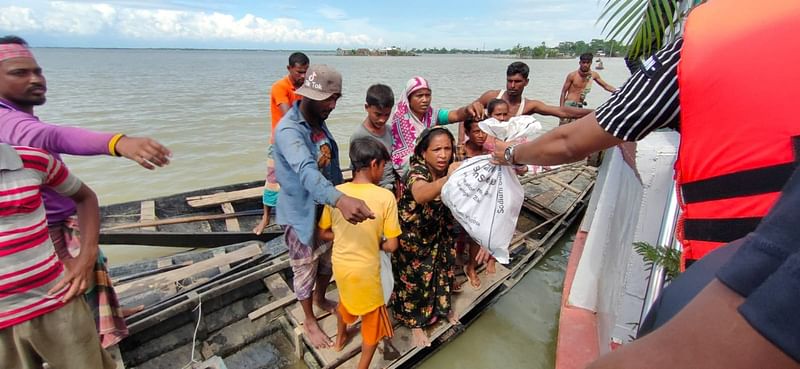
point(148, 213)
point(167, 278)
point(231, 224)
point(562, 184)
point(223, 197)
point(280, 291)
point(193, 218)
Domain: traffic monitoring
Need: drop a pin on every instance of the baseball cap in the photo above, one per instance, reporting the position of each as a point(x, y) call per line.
point(321, 82)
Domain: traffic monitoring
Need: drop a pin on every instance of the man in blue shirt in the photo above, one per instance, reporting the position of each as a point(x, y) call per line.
point(307, 169)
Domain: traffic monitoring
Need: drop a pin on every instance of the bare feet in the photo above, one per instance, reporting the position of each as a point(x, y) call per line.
point(490, 266)
point(262, 224)
point(128, 311)
point(341, 341)
point(420, 339)
point(317, 337)
point(472, 276)
point(327, 305)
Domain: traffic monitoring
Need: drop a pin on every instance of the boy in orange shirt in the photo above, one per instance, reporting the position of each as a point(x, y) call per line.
point(356, 249)
point(281, 98)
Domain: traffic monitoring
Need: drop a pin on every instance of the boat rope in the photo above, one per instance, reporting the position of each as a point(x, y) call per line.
point(199, 309)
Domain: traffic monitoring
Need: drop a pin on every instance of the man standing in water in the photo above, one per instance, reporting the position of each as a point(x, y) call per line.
point(281, 97)
point(579, 84)
point(22, 87)
point(307, 168)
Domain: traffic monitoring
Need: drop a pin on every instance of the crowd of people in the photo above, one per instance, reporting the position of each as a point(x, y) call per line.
point(55, 279)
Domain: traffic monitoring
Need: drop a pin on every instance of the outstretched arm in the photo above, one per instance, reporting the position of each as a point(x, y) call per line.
point(146, 151)
point(538, 107)
point(603, 83)
point(473, 110)
point(564, 144)
point(565, 89)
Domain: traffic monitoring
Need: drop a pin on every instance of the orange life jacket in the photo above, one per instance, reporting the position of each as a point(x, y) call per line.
point(740, 132)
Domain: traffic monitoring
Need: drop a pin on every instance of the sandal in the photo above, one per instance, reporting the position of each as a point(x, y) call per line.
point(471, 283)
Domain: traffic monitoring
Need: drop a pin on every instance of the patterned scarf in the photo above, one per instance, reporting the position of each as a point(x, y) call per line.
point(10, 51)
point(406, 126)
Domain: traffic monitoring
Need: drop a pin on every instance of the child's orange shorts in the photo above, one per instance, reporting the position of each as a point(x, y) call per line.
point(375, 325)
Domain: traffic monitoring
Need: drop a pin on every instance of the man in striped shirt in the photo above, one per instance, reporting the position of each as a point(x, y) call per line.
point(40, 320)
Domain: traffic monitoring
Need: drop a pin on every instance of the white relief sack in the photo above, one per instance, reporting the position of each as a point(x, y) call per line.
point(486, 198)
point(387, 278)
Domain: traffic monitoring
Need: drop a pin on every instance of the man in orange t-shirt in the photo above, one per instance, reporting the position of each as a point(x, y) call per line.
point(281, 98)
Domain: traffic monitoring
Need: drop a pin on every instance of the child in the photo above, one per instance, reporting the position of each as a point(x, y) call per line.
point(356, 259)
point(379, 103)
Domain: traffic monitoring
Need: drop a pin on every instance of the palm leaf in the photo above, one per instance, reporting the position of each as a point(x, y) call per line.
point(642, 25)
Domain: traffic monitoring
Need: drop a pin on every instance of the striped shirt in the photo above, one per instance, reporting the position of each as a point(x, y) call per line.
point(648, 101)
point(29, 267)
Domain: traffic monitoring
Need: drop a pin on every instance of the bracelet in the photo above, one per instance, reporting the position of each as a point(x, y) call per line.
point(112, 144)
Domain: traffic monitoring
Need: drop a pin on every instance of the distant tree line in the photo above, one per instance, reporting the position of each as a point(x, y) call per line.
point(565, 49)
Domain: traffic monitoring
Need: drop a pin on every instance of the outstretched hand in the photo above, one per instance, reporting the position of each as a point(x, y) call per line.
point(78, 275)
point(475, 111)
point(353, 209)
point(148, 152)
point(483, 255)
point(498, 154)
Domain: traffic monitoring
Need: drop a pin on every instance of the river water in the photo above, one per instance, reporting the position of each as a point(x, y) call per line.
point(210, 107)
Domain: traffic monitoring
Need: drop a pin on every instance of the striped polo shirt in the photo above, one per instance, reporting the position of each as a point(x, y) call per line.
point(29, 267)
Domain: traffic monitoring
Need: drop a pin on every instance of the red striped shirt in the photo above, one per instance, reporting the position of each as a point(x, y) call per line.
point(29, 267)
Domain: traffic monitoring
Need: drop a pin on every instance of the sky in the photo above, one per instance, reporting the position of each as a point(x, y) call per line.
point(308, 25)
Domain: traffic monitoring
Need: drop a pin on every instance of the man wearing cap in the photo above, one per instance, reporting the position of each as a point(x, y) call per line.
point(22, 87)
point(307, 168)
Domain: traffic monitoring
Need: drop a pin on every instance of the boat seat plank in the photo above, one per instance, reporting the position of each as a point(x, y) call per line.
point(223, 197)
point(281, 292)
point(148, 213)
point(168, 278)
point(231, 224)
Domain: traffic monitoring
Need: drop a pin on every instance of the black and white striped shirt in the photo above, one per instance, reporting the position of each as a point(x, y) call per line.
point(648, 101)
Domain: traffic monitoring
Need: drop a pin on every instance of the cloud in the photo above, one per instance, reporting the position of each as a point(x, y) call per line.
point(148, 23)
point(14, 18)
point(332, 13)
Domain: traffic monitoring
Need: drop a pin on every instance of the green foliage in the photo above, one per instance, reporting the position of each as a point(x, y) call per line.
point(644, 25)
point(668, 258)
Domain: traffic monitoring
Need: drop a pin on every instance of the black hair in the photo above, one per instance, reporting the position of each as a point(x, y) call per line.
point(380, 96)
point(424, 140)
point(364, 150)
point(518, 68)
point(468, 124)
point(298, 58)
point(586, 57)
point(11, 39)
point(493, 104)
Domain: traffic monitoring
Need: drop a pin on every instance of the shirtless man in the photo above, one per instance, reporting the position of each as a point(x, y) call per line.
point(578, 85)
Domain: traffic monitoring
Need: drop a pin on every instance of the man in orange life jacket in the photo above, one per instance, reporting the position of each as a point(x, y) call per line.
point(738, 148)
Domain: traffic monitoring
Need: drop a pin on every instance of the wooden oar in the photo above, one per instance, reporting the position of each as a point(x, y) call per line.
point(195, 218)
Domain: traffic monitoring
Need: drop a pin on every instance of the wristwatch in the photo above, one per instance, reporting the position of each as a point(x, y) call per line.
point(508, 155)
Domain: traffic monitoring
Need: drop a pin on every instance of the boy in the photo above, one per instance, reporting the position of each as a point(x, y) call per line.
point(380, 101)
point(356, 259)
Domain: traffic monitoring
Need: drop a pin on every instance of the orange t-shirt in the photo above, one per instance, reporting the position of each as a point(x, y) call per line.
point(282, 92)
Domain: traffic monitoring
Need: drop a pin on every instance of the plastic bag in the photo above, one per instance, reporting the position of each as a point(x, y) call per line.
point(387, 279)
point(486, 198)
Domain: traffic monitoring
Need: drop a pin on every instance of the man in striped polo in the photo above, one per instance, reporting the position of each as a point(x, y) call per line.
point(40, 320)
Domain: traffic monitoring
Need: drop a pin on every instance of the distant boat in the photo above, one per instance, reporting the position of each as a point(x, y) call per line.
point(599, 65)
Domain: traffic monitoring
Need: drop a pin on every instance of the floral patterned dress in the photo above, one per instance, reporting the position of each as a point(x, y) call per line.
point(423, 263)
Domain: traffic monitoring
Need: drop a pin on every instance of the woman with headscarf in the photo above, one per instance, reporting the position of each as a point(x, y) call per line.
point(414, 113)
point(423, 264)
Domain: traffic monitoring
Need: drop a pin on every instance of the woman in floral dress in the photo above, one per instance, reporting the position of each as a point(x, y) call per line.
point(423, 265)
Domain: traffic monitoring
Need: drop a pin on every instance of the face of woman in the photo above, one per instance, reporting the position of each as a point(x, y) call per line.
point(500, 112)
point(439, 153)
point(419, 101)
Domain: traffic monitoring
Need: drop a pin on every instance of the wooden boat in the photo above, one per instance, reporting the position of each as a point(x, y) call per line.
point(249, 318)
point(203, 218)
